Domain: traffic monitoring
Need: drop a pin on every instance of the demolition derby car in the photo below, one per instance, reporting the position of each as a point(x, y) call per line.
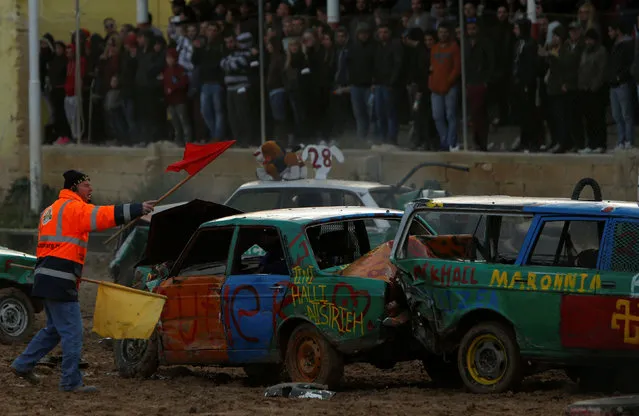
point(17, 308)
point(267, 195)
point(321, 296)
point(520, 285)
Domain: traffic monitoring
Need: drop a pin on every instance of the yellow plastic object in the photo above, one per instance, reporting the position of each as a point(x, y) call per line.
point(125, 313)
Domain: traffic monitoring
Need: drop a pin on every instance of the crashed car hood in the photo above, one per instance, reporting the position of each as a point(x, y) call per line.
point(171, 229)
point(4, 251)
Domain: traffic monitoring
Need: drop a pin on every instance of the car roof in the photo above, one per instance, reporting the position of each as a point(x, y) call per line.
point(305, 215)
point(533, 205)
point(314, 183)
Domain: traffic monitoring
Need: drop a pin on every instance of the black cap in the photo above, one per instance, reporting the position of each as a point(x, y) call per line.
point(74, 178)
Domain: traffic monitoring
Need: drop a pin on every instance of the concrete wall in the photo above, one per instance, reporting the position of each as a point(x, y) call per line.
point(13, 85)
point(120, 174)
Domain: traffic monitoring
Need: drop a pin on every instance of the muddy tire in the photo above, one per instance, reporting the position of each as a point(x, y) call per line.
point(135, 358)
point(488, 359)
point(443, 371)
point(17, 319)
point(264, 374)
point(310, 358)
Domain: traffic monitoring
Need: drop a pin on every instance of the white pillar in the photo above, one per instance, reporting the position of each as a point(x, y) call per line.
point(260, 17)
point(332, 11)
point(142, 11)
point(35, 116)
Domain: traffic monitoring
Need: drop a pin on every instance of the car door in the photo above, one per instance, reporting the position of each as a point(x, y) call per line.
point(559, 275)
point(253, 292)
point(192, 330)
point(615, 310)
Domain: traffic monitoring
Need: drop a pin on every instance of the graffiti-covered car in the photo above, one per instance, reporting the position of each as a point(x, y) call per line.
point(510, 286)
point(300, 304)
point(17, 307)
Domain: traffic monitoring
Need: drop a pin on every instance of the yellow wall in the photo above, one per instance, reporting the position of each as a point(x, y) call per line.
point(9, 55)
point(58, 16)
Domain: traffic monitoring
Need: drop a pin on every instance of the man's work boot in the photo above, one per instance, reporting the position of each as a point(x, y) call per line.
point(83, 389)
point(29, 376)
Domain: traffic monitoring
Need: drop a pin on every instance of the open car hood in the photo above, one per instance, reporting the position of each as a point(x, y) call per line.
point(171, 229)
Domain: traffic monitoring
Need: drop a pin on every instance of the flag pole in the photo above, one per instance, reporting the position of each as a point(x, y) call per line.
point(162, 198)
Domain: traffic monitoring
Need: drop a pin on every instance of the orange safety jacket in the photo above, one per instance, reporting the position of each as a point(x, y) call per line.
point(63, 236)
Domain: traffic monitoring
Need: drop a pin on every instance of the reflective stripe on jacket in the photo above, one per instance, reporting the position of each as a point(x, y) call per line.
point(63, 236)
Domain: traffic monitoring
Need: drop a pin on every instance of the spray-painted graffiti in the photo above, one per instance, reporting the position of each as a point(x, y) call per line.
point(445, 274)
point(630, 321)
point(339, 308)
point(456, 300)
point(565, 282)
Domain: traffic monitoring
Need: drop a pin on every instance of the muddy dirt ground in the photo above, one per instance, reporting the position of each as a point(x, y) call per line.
point(405, 390)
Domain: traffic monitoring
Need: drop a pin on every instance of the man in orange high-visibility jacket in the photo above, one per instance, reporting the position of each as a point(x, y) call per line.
point(63, 234)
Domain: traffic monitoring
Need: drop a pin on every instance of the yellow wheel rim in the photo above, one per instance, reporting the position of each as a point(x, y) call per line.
point(486, 360)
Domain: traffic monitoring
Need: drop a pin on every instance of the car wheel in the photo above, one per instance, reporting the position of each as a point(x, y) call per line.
point(16, 316)
point(488, 359)
point(263, 374)
point(136, 357)
point(443, 371)
point(310, 358)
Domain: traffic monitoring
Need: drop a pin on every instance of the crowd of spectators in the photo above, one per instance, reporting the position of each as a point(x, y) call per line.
point(385, 64)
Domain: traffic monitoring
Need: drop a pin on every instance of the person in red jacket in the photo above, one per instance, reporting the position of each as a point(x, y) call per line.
point(70, 103)
point(176, 85)
point(445, 61)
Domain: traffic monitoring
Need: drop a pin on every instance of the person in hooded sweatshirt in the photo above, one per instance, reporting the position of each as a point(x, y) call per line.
point(417, 63)
point(148, 87)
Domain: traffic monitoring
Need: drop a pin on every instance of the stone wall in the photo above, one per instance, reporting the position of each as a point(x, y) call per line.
point(120, 174)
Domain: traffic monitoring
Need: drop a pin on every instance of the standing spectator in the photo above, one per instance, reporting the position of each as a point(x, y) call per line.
point(591, 81)
point(419, 18)
point(498, 90)
point(185, 35)
point(70, 102)
point(445, 61)
point(439, 15)
point(115, 112)
point(47, 51)
point(362, 15)
point(148, 89)
point(110, 29)
point(57, 74)
point(275, 87)
point(299, 86)
point(360, 69)
point(207, 58)
point(525, 69)
point(237, 65)
point(479, 71)
point(341, 102)
point(557, 97)
point(126, 82)
point(417, 62)
point(108, 68)
point(387, 67)
point(574, 49)
point(176, 84)
point(619, 80)
point(327, 64)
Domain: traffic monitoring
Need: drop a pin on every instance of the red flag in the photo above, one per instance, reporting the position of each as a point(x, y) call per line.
point(197, 156)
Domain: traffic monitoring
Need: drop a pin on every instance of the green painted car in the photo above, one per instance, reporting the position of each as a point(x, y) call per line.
point(512, 286)
point(316, 297)
point(17, 308)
